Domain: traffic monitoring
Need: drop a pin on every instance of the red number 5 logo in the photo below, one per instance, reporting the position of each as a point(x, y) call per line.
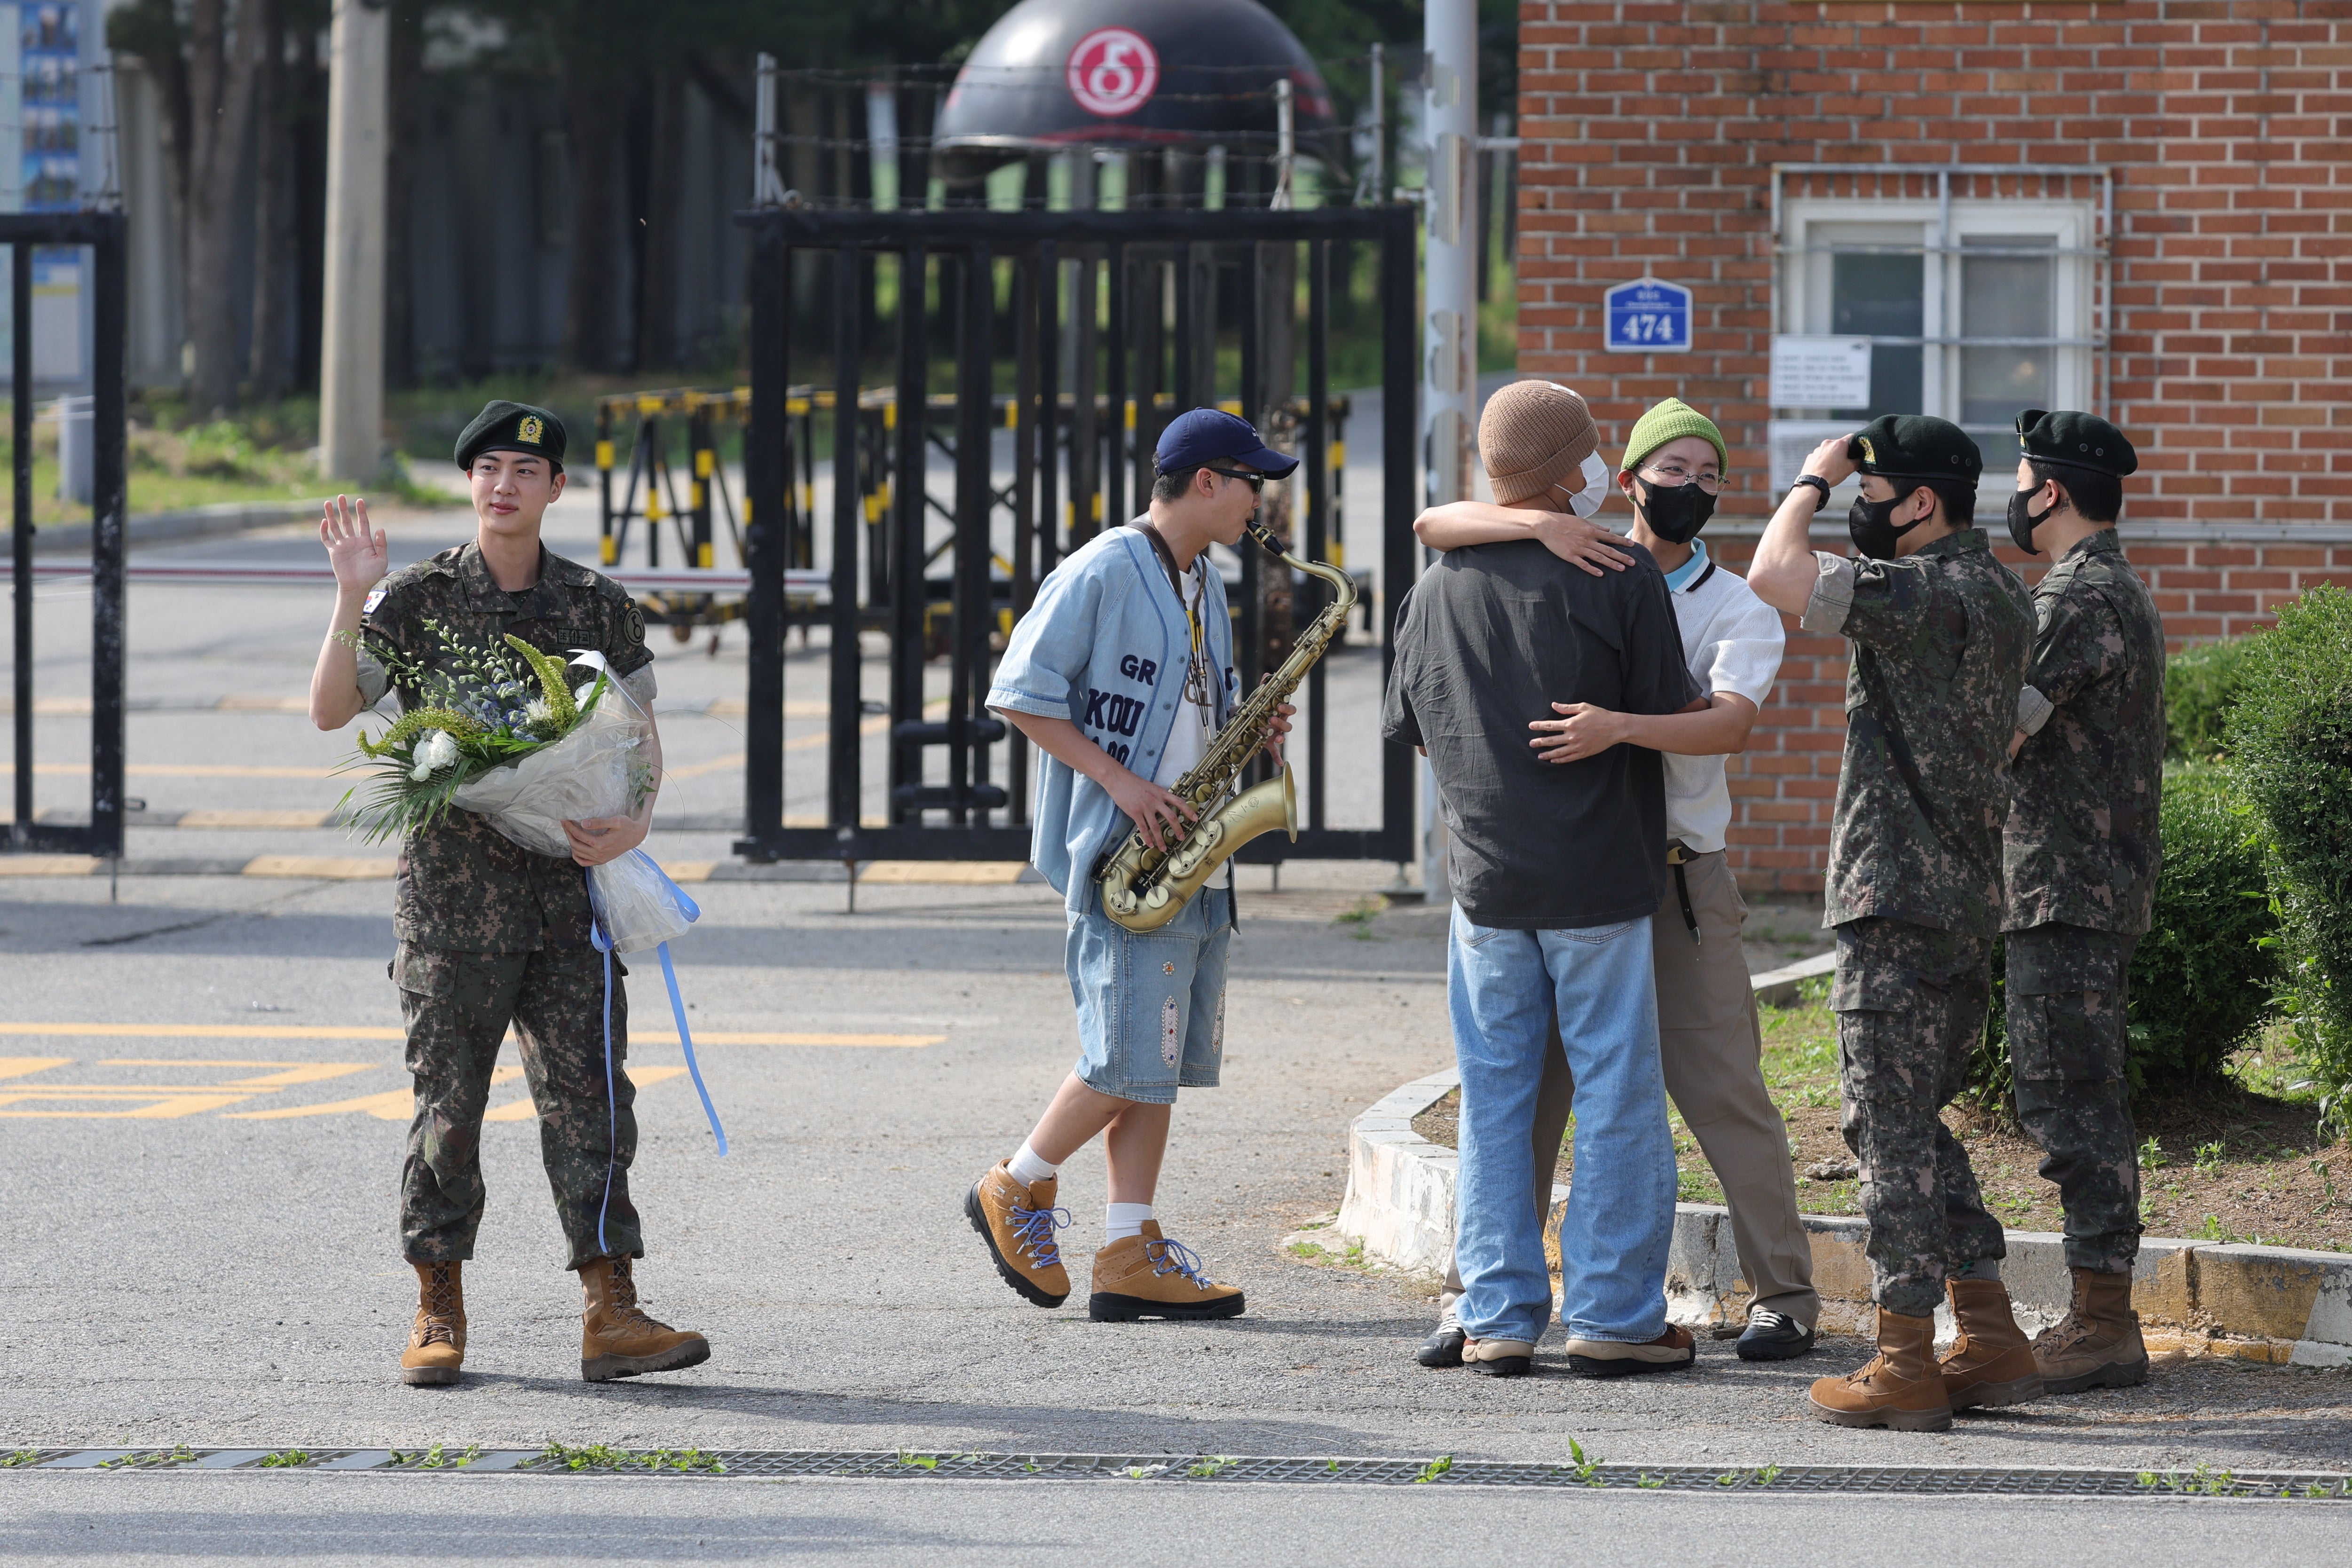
point(1113, 71)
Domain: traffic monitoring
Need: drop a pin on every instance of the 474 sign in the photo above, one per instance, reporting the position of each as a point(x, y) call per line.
point(1113, 71)
point(1648, 317)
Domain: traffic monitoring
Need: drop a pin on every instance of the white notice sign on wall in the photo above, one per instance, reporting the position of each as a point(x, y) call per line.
point(1820, 372)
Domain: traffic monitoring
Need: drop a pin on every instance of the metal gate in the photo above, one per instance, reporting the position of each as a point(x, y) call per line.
point(22, 233)
point(1090, 442)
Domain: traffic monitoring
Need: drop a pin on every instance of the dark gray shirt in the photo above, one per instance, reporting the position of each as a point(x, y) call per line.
point(1489, 638)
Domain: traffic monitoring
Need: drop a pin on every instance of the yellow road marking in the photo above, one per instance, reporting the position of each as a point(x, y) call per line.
point(958, 873)
point(799, 743)
point(688, 870)
point(168, 1104)
point(358, 1031)
point(288, 1073)
point(18, 1066)
point(326, 868)
point(48, 865)
point(392, 1105)
point(254, 819)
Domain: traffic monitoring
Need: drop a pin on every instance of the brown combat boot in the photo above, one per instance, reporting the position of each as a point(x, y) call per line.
point(617, 1339)
point(1898, 1389)
point(437, 1340)
point(1148, 1276)
point(1018, 1224)
point(2096, 1344)
point(1990, 1363)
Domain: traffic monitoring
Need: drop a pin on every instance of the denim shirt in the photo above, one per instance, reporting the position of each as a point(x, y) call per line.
point(1105, 646)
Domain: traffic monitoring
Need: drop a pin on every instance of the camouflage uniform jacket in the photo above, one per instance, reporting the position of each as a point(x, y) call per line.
point(2084, 845)
point(1940, 640)
point(460, 885)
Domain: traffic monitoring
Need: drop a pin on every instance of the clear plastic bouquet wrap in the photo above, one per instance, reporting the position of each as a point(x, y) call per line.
point(502, 733)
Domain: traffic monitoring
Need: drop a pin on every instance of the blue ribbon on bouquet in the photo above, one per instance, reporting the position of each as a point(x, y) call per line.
point(603, 938)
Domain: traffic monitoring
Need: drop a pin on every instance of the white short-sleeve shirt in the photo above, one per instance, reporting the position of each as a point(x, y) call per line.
point(1732, 640)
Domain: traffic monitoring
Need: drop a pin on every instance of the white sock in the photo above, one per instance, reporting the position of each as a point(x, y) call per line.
point(1027, 1168)
point(1121, 1221)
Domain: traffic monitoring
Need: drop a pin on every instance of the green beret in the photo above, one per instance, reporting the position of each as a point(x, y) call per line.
point(504, 426)
point(1917, 446)
point(2075, 441)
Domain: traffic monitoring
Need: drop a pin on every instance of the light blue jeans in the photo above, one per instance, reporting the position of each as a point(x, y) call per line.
point(1502, 986)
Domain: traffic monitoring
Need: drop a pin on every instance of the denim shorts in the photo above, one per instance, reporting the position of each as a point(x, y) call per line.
point(1151, 1005)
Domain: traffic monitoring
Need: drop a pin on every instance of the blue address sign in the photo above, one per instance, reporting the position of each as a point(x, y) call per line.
point(1649, 317)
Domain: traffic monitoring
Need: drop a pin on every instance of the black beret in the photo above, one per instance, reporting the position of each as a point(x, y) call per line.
point(2075, 441)
point(504, 426)
point(1917, 446)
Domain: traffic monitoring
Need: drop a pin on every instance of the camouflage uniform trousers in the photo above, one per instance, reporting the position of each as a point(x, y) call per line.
point(458, 1006)
point(1910, 1003)
point(2068, 1048)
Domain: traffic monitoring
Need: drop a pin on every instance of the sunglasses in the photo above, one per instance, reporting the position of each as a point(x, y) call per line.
point(1256, 482)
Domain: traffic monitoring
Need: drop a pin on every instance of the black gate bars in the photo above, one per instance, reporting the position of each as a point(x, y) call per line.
point(22, 232)
point(1090, 442)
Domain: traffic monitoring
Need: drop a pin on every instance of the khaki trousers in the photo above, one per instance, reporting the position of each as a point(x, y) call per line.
point(1711, 1049)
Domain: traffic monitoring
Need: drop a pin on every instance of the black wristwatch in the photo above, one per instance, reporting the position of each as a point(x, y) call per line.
point(1817, 483)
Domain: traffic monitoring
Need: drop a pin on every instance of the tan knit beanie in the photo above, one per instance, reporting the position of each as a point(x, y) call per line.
point(1533, 435)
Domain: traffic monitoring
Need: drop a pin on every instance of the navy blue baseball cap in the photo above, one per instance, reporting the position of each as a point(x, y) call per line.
point(1210, 435)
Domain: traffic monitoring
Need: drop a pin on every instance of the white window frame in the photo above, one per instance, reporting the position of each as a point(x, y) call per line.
point(1942, 221)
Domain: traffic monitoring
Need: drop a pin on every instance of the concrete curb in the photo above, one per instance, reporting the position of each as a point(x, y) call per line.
point(159, 527)
point(2277, 1304)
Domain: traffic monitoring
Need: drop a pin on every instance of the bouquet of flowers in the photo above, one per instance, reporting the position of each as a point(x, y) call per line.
point(501, 732)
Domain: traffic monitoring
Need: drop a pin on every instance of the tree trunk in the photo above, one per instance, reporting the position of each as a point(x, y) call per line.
point(269, 361)
point(589, 124)
point(223, 59)
point(408, 128)
point(657, 273)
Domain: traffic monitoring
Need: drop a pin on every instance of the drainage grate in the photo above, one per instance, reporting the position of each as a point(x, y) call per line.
point(1216, 1468)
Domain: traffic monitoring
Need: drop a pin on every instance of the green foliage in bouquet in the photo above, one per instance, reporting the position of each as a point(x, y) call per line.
point(476, 710)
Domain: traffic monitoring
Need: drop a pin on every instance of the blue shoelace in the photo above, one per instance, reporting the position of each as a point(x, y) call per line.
point(1036, 1227)
point(1175, 1257)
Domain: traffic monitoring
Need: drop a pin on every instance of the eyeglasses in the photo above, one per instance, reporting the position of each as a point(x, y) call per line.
point(1707, 479)
point(1256, 482)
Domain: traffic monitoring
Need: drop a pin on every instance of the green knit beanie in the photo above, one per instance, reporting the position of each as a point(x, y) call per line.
point(1671, 421)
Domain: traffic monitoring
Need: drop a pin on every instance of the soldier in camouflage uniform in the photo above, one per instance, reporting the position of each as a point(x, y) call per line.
point(491, 934)
point(2082, 852)
point(1940, 632)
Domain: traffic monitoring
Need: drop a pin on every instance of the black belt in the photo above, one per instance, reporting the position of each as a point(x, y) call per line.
point(1678, 857)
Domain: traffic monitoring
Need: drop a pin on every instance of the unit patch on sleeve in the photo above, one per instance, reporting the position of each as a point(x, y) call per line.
point(633, 627)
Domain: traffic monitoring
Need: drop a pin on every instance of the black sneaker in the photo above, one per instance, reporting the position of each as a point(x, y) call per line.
point(1443, 1346)
point(1773, 1337)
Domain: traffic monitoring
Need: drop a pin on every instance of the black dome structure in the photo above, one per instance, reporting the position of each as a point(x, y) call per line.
point(1143, 76)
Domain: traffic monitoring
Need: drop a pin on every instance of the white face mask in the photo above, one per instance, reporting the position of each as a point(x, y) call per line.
point(1587, 501)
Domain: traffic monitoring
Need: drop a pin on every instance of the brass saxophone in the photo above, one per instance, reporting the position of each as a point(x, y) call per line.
point(1142, 888)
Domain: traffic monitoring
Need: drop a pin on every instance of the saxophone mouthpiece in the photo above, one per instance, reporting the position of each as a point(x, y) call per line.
point(1264, 536)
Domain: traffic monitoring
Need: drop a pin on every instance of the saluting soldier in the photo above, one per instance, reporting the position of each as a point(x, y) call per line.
point(1941, 632)
point(491, 934)
point(2081, 854)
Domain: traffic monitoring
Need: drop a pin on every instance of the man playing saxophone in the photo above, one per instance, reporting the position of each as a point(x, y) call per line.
point(1121, 674)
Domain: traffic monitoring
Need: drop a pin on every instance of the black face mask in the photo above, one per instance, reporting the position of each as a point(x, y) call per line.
point(1874, 533)
point(1675, 513)
point(2023, 522)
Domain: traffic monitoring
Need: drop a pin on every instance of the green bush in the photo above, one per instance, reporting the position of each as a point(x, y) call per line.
point(2201, 684)
point(2202, 977)
point(2290, 739)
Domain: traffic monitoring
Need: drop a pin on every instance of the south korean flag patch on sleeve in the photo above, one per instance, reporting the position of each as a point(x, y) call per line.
point(374, 598)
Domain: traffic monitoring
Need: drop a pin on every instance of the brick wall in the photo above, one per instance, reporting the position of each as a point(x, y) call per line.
point(1648, 135)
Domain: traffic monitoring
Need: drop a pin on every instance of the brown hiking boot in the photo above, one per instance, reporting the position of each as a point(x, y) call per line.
point(1899, 1389)
point(1148, 1276)
point(2096, 1344)
point(1018, 1224)
point(437, 1340)
point(1499, 1357)
point(1673, 1350)
point(1990, 1363)
point(617, 1339)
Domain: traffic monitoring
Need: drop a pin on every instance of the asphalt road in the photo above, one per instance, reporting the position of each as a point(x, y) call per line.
point(201, 1245)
